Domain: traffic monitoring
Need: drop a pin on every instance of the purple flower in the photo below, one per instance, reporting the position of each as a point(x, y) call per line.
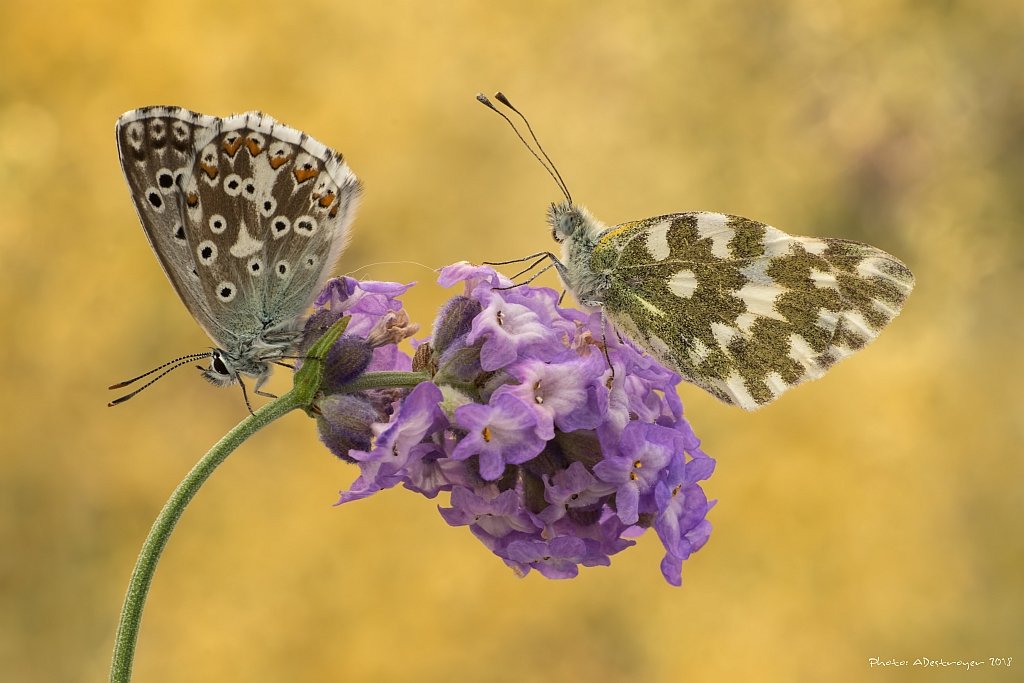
point(509, 329)
point(563, 394)
point(573, 488)
point(400, 443)
point(644, 450)
point(502, 432)
point(558, 558)
point(682, 509)
point(558, 442)
point(496, 516)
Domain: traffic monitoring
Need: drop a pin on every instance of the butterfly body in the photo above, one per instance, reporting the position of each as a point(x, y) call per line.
point(247, 217)
point(737, 307)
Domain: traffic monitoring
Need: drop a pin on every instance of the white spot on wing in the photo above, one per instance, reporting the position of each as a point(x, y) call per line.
point(745, 321)
point(698, 352)
point(760, 299)
point(775, 384)
point(776, 242)
point(723, 333)
point(738, 390)
point(855, 321)
point(715, 227)
point(233, 185)
point(245, 245)
point(226, 291)
point(657, 240)
point(884, 308)
point(811, 245)
point(802, 353)
point(683, 283)
point(305, 226)
point(757, 271)
point(823, 280)
point(827, 319)
point(207, 252)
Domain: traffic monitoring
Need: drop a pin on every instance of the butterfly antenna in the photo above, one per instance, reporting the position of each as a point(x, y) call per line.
point(184, 360)
point(504, 100)
point(482, 99)
point(189, 357)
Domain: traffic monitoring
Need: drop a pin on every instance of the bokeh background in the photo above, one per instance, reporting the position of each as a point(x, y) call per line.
point(876, 513)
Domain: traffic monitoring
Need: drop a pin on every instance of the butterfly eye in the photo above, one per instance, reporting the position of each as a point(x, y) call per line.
point(218, 366)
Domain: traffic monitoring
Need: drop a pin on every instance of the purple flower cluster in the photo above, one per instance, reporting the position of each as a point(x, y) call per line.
point(551, 459)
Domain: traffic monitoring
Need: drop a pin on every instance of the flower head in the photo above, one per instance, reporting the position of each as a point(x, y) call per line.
point(557, 442)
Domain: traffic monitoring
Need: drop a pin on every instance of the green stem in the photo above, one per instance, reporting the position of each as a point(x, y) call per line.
point(384, 380)
point(307, 383)
point(145, 566)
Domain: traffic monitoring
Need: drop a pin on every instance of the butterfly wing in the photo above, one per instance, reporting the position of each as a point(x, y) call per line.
point(267, 211)
point(742, 309)
point(156, 146)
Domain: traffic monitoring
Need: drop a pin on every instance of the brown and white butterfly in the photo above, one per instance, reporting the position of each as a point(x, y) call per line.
point(247, 218)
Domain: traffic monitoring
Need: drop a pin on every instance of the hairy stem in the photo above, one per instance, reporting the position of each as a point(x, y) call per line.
point(160, 533)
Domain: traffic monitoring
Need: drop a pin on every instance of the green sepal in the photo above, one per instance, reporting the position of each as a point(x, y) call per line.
point(310, 376)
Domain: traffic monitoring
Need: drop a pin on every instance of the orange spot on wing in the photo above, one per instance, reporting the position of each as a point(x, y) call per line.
point(333, 212)
point(192, 199)
point(304, 174)
point(232, 146)
point(327, 199)
point(209, 169)
point(277, 162)
point(253, 146)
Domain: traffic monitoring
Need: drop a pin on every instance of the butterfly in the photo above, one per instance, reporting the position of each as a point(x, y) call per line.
point(737, 307)
point(247, 218)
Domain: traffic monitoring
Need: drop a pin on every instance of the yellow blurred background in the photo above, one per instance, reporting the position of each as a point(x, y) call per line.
point(876, 513)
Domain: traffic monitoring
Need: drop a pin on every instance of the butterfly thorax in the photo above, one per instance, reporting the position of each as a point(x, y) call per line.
point(251, 355)
point(579, 234)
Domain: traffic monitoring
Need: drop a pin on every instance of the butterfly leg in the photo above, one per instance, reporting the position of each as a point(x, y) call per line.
point(245, 394)
point(518, 260)
point(260, 382)
point(604, 347)
point(555, 263)
point(530, 267)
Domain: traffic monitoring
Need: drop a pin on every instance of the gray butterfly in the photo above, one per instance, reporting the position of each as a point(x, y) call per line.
point(247, 217)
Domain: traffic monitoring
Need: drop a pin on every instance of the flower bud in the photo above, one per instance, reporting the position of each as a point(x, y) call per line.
point(454, 321)
point(346, 359)
point(316, 325)
point(345, 423)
